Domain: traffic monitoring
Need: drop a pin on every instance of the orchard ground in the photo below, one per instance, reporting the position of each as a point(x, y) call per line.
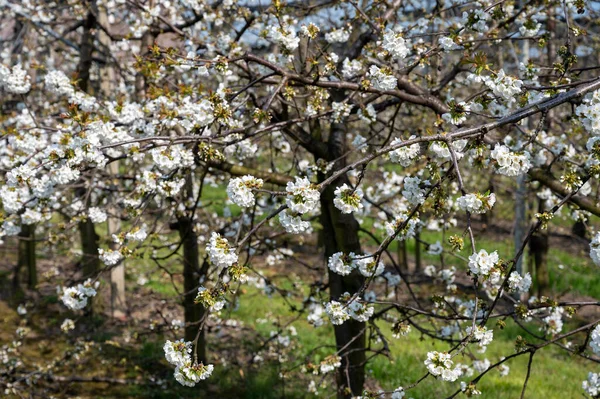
point(125, 358)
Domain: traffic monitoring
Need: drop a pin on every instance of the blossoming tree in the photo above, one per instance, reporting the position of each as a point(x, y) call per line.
point(360, 122)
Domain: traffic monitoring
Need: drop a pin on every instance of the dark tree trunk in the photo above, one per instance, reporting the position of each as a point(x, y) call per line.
point(402, 255)
point(90, 263)
point(87, 232)
point(539, 251)
point(26, 261)
point(417, 268)
point(340, 233)
point(191, 275)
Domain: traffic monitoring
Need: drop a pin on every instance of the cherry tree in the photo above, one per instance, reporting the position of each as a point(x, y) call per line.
point(361, 122)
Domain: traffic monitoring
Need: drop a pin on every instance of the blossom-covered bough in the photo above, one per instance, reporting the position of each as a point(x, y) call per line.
point(365, 123)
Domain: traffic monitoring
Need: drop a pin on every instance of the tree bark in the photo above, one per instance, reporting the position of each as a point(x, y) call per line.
point(417, 267)
point(340, 233)
point(118, 300)
point(539, 249)
point(89, 239)
point(26, 259)
point(193, 312)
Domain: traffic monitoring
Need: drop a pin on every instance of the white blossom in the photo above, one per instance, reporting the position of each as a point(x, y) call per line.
point(240, 189)
point(476, 203)
point(294, 224)
point(348, 200)
point(178, 353)
point(97, 215)
point(341, 264)
point(481, 263)
point(510, 163)
point(518, 283)
point(382, 79)
point(439, 364)
point(219, 251)
point(395, 45)
point(302, 197)
point(404, 155)
point(337, 313)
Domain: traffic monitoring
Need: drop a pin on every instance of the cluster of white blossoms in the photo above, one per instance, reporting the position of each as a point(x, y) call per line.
point(440, 365)
point(57, 82)
point(341, 110)
point(595, 249)
point(510, 163)
point(285, 37)
point(589, 112)
point(347, 199)
point(67, 325)
point(340, 312)
point(519, 283)
point(395, 45)
point(476, 19)
point(110, 257)
point(442, 151)
point(530, 28)
point(368, 266)
point(554, 322)
point(595, 340)
point(401, 227)
point(448, 44)
point(294, 224)
point(219, 251)
point(76, 298)
point(382, 78)
point(398, 393)
point(16, 80)
point(342, 264)
point(505, 86)
point(338, 35)
point(413, 192)
point(458, 112)
point(482, 263)
point(351, 68)
point(360, 311)
point(337, 313)
point(469, 390)
point(368, 114)
point(591, 386)
point(329, 364)
point(476, 203)
point(404, 155)
point(178, 353)
point(482, 336)
point(240, 189)
point(302, 197)
point(97, 215)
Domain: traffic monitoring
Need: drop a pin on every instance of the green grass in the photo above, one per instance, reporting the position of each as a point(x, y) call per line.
point(405, 365)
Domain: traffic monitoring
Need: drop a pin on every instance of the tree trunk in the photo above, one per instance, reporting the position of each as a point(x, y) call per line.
point(26, 259)
point(191, 274)
point(418, 267)
point(539, 249)
point(520, 213)
point(118, 301)
point(341, 234)
point(402, 255)
point(140, 80)
point(89, 239)
point(90, 263)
